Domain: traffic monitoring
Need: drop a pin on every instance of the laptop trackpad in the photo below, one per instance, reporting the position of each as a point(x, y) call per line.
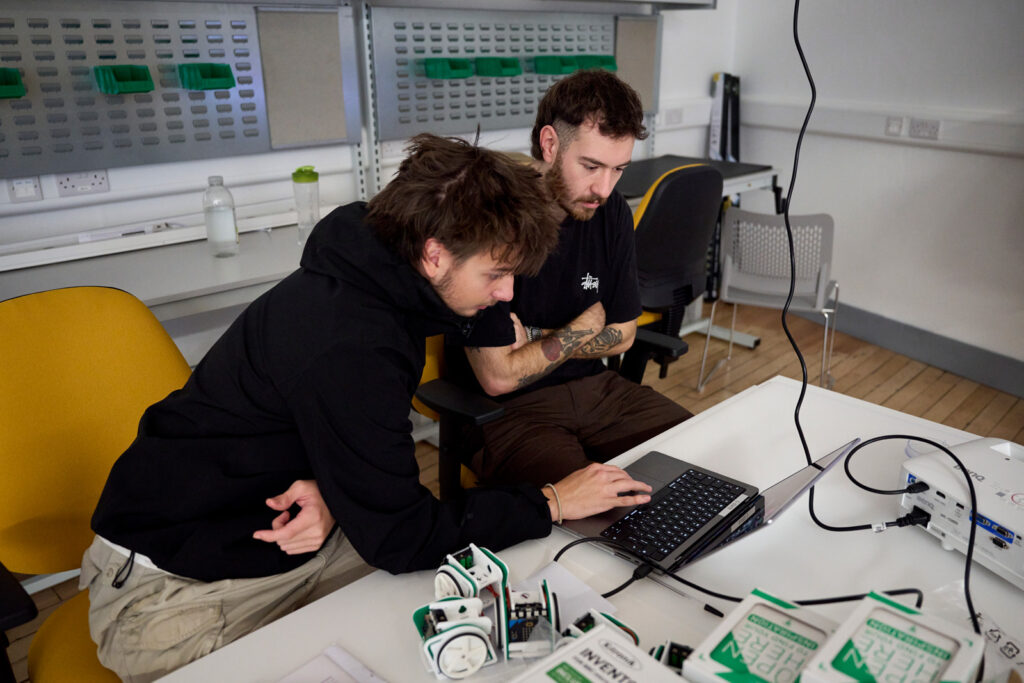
point(655, 469)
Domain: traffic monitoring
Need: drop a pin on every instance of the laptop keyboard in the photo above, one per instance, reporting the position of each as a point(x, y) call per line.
point(675, 513)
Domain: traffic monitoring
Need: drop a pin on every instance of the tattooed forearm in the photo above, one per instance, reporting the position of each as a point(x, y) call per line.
point(605, 340)
point(530, 379)
point(563, 343)
point(557, 347)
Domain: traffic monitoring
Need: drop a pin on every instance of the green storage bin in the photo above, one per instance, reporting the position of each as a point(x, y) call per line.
point(498, 66)
point(447, 67)
point(554, 65)
point(204, 76)
point(118, 79)
point(606, 62)
point(10, 84)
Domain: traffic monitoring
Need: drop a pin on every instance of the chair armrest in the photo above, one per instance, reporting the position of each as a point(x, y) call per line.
point(658, 343)
point(461, 411)
point(650, 344)
point(16, 605)
point(449, 399)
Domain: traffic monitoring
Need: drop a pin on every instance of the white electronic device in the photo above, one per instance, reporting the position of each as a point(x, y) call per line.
point(996, 468)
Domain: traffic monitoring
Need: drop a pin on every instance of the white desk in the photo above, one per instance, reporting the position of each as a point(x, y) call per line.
point(737, 177)
point(192, 293)
point(750, 436)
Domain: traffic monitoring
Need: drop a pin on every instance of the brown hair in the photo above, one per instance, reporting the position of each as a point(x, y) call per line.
point(469, 199)
point(590, 95)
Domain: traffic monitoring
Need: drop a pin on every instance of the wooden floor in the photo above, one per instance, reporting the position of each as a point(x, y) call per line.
point(860, 370)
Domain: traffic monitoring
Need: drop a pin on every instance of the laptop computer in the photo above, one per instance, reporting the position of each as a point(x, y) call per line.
point(693, 510)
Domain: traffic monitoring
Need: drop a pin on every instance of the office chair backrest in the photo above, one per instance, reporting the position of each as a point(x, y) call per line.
point(755, 253)
point(78, 367)
point(674, 224)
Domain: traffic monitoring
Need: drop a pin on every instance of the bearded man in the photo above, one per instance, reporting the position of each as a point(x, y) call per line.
point(540, 354)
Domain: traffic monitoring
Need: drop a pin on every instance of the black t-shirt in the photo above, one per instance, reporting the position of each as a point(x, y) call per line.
point(594, 261)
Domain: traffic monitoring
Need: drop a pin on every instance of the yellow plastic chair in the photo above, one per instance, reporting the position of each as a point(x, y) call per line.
point(79, 367)
point(432, 369)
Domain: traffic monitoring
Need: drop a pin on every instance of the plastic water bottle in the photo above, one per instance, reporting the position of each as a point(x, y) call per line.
point(219, 212)
point(307, 199)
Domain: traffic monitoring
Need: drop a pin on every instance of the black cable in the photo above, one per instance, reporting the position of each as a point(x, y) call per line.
point(916, 487)
point(908, 519)
point(591, 539)
point(638, 573)
point(645, 563)
point(803, 365)
point(792, 273)
point(812, 601)
point(860, 596)
point(971, 520)
point(647, 566)
point(619, 589)
point(789, 236)
point(792, 278)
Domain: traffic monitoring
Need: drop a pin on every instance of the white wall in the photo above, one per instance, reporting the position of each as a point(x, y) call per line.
point(694, 45)
point(928, 236)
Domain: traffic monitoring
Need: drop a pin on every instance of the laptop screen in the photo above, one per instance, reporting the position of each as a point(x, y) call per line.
point(774, 500)
point(781, 495)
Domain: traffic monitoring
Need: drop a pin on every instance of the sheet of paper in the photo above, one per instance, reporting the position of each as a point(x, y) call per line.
point(335, 665)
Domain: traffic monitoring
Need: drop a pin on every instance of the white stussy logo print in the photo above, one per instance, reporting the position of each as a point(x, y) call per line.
point(589, 282)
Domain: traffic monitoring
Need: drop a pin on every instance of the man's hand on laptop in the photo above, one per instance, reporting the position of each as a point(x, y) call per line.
point(594, 489)
point(308, 530)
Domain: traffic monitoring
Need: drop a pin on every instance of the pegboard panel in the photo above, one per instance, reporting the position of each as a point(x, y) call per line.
point(408, 102)
point(64, 123)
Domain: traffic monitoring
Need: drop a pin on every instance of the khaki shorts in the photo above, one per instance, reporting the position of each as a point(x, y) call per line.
point(157, 621)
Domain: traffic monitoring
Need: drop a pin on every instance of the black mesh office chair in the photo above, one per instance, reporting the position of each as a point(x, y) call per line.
point(674, 225)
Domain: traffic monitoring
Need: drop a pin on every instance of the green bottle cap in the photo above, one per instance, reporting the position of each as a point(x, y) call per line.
point(305, 174)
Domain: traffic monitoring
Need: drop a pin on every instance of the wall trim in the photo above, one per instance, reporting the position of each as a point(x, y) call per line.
point(972, 362)
point(964, 130)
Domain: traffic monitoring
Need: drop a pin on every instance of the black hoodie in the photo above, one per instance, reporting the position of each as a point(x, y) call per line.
point(313, 380)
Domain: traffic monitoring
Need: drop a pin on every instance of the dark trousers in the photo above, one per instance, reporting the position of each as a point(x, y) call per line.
point(551, 432)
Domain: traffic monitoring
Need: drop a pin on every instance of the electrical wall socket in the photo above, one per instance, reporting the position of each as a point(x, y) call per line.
point(924, 129)
point(87, 182)
point(894, 126)
point(673, 117)
point(24, 189)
